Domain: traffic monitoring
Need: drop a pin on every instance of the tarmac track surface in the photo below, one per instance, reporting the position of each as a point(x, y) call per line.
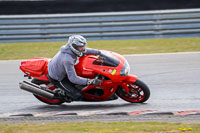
point(174, 81)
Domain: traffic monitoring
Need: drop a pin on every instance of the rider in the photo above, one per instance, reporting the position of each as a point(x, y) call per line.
point(61, 71)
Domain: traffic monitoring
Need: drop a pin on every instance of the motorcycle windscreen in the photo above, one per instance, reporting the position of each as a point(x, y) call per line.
point(109, 60)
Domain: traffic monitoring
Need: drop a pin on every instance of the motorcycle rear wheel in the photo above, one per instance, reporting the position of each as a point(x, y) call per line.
point(138, 92)
point(45, 100)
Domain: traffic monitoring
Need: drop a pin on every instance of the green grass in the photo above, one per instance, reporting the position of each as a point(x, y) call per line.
point(10, 51)
point(102, 127)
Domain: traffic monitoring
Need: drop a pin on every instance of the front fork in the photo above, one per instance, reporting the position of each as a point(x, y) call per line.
point(128, 80)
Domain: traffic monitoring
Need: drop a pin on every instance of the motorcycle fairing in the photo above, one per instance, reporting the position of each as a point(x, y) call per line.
point(91, 65)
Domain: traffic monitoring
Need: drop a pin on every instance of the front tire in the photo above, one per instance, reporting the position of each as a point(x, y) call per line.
point(45, 100)
point(138, 92)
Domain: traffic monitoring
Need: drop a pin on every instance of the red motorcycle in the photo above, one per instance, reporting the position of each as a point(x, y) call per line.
point(112, 68)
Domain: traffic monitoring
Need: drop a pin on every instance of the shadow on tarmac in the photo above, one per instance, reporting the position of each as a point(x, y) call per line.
point(79, 107)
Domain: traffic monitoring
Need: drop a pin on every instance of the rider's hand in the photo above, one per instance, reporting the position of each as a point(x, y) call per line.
point(94, 82)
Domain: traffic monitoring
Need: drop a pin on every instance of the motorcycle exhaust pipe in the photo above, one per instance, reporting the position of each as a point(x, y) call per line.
point(35, 89)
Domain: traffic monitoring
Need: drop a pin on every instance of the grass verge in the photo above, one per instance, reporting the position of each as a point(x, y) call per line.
point(12, 51)
point(102, 127)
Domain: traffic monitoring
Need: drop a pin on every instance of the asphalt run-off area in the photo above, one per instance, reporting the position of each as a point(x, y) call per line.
point(173, 79)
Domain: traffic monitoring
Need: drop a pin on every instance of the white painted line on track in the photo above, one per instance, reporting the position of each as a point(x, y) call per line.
point(163, 54)
point(126, 55)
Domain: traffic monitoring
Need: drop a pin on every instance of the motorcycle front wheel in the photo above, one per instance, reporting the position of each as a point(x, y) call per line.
point(45, 100)
point(138, 92)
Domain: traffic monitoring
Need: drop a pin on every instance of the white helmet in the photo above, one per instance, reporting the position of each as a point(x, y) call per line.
point(76, 41)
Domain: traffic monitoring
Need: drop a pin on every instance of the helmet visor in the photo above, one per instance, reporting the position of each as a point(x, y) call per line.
point(81, 48)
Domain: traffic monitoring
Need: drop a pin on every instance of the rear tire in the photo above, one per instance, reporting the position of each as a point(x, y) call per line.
point(45, 100)
point(138, 92)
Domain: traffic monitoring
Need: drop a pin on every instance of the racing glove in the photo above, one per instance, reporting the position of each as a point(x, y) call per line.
point(94, 82)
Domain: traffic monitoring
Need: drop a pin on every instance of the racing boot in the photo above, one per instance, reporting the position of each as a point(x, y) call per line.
point(61, 94)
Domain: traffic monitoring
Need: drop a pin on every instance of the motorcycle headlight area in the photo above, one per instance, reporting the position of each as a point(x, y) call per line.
point(125, 70)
